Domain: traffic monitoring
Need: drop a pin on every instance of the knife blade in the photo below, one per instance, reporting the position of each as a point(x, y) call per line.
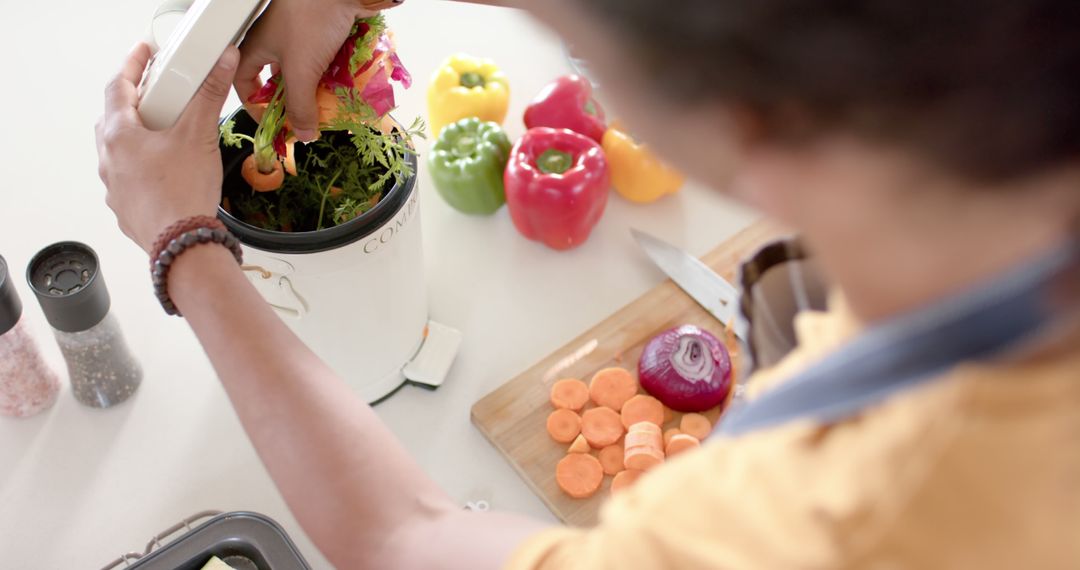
point(710, 290)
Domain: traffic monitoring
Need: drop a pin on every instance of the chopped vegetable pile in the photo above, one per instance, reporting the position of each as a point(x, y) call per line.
point(615, 430)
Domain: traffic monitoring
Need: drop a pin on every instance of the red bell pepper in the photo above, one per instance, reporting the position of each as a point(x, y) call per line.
point(567, 103)
point(556, 186)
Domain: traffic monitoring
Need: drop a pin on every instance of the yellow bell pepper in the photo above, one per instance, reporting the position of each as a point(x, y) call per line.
point(636, 173)
point(467, 86)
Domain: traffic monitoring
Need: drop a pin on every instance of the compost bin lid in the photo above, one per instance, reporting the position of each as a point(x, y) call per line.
point(188, 37)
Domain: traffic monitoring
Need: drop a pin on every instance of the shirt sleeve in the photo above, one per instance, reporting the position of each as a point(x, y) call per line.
point(719, 507)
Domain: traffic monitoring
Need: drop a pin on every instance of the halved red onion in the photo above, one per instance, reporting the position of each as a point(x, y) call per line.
point(686, 368)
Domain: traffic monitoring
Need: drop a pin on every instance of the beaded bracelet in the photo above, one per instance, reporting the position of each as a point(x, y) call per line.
point(170, 247)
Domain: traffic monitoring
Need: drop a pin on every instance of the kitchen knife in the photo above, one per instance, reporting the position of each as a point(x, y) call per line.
point(710, 290)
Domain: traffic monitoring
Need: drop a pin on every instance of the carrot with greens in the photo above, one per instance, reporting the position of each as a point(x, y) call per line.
point(262, 169)
point(354, 96)
point(563, 425)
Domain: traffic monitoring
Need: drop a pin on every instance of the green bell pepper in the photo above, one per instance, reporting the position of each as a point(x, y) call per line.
point(467, 164)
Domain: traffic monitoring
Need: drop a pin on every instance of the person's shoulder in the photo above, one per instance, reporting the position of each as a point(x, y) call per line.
point(986, 476)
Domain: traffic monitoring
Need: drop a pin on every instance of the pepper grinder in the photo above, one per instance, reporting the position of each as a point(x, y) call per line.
point(27, 384)
point(67, 279)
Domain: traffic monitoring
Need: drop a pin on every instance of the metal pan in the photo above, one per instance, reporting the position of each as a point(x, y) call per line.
point(243, 540)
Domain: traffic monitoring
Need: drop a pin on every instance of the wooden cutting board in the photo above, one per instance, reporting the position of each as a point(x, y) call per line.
point(514, 416)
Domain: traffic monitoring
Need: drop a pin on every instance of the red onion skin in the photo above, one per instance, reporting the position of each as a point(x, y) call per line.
point(702, 353)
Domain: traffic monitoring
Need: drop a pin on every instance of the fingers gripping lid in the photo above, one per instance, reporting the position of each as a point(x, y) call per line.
point(67, 280)
point(189, 37)
point(10, 305)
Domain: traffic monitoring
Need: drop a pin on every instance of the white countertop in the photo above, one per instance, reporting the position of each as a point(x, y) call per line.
point(79, 487)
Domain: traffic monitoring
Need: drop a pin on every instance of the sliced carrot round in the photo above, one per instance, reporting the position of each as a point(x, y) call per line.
point(601, 426)
point(625, 479)
point(611, 458)
point(669, 414)
point(680, 443)
point(642, 408)
point(645, 427)
point(579, 445)
point(642, 458)
point(637, 439)
point(612, 387)
point(696, 425)
point(669, 433)
point(563, 425)
point(579, 475)
point(713, 414)
point(569, 393)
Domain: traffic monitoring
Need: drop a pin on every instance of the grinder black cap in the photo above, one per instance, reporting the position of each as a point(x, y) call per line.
point(67, 280)
point(10, 305)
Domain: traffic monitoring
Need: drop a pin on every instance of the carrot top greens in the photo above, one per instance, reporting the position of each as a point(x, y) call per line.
point(345, 173)
point(338, 177)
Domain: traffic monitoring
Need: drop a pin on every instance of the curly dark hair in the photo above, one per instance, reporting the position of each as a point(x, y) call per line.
point(988, 89)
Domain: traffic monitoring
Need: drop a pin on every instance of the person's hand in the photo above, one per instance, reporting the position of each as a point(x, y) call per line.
point(155, 178)
point(301, 37)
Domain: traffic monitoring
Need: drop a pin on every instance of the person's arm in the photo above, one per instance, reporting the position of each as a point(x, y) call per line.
point(350, 483)
point(352, 486)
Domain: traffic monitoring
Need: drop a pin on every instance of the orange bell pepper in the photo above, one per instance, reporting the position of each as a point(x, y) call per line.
point(636, 173)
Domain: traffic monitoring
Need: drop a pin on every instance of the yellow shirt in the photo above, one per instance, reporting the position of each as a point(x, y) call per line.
point(979, 469)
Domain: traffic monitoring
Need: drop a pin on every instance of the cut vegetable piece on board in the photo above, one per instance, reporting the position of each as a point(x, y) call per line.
point(643, 457)
point(713, 414)
point(696, 425)
point(569, 393)
point(563, 425)
point(612, 387)
point(611, 458)
point(644, 434)
point(601, 426)
point(644, 446)
point(645, 427)
point(579, 475)
point(639, 439)
point(669, 433)
point(687, 369)
point(625, 479)
point(642, 408)
point(579, 445)
point(680, 443)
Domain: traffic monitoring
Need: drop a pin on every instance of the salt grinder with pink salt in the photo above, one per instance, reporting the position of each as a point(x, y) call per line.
point(27, 384)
